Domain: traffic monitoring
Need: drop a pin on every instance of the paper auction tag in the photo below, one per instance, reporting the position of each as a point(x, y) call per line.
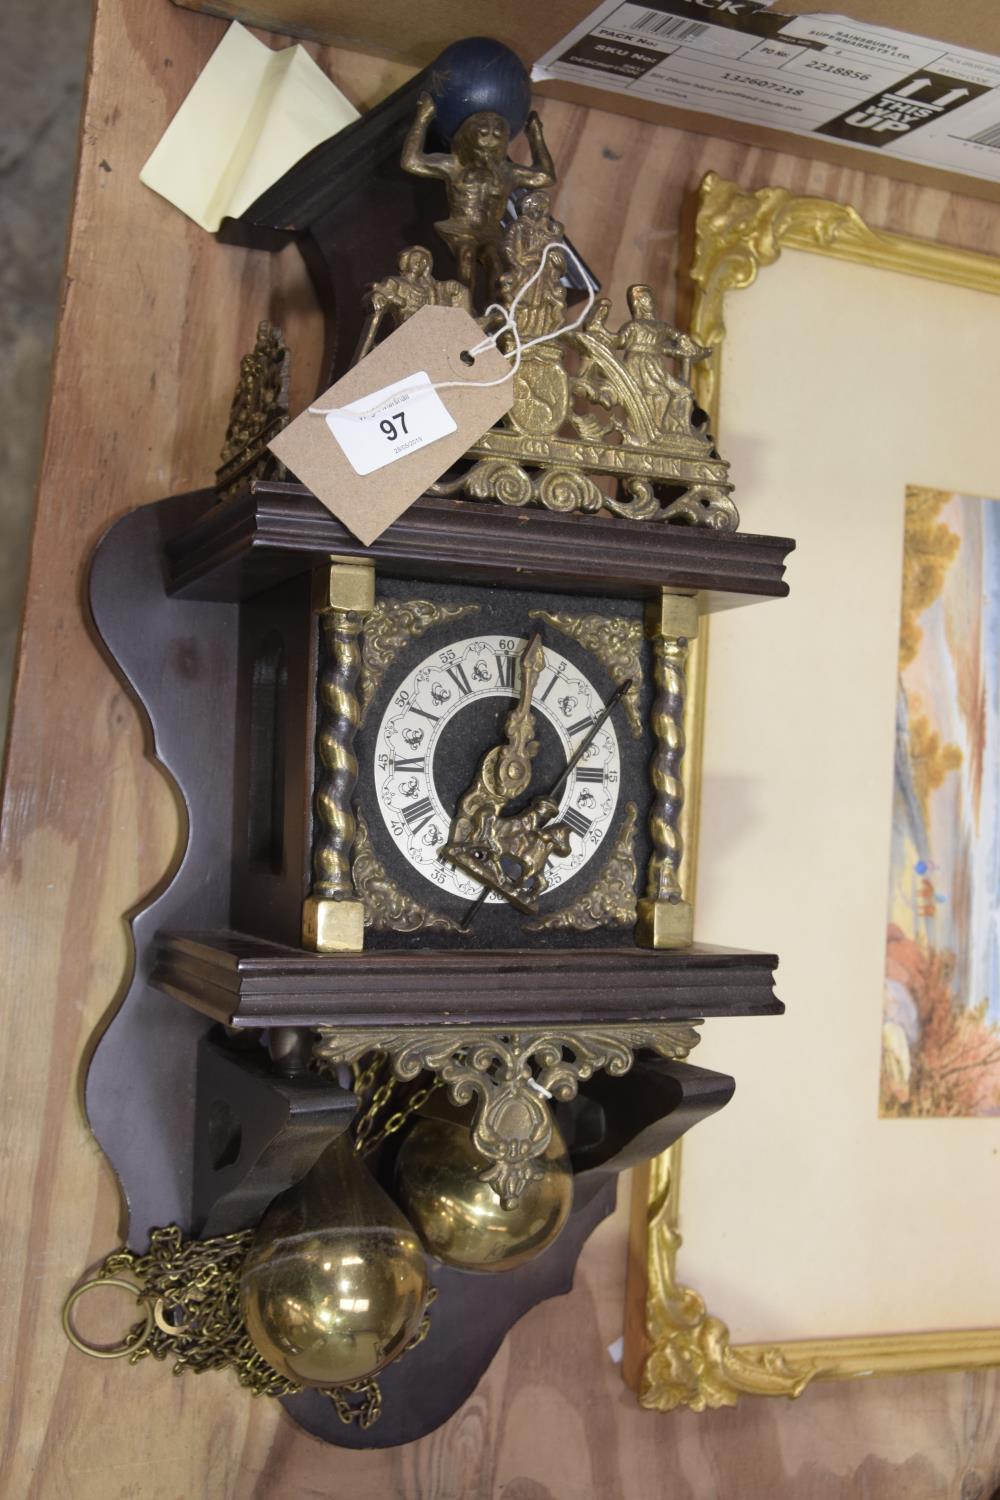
point(391, 435)
point(388, 424)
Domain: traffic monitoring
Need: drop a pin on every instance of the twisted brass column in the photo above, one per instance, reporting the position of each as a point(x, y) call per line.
point(665, 920)
point(332, 916)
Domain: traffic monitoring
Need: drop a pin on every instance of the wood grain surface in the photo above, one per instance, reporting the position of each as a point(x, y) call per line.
point(154, 318)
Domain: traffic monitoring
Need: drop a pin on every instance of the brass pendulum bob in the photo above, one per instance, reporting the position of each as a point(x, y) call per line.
point(335, 1283)
point(459, 1218)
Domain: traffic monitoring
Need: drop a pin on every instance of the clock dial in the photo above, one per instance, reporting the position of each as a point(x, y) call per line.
point(453, 700)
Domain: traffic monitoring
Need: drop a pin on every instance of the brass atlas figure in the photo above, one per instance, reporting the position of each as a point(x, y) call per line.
point(480, 180)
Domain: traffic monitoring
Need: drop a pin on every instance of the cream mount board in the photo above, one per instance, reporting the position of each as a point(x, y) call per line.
point(821, 1239)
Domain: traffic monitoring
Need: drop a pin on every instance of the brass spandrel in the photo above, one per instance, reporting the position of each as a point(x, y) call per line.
point(611, 900)
point(393, 625)
point(388, 908)
point(616, 642)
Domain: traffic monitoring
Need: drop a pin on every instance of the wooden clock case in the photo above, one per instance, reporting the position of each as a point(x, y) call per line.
point(199, 1131)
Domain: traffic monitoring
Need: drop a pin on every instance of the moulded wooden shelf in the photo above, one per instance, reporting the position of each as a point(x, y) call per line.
point(244, 981)
point(271, 531)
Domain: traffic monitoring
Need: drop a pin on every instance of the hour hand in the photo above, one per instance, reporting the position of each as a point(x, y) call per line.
point(505, 771)
point(509, 854)
point(546, 808)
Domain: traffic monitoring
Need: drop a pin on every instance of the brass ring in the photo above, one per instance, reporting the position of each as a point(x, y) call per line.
point(113, 1351)
point(159, 1315)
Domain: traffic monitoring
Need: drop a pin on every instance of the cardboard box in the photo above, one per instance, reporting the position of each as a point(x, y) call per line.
point(397, 29)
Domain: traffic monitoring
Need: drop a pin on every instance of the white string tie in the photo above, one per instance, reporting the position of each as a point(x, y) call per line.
point(508, 325)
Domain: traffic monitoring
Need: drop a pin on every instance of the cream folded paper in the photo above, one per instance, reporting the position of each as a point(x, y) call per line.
point(251, 115)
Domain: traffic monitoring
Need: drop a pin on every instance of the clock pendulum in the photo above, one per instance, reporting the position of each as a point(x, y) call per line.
point(329, 1096)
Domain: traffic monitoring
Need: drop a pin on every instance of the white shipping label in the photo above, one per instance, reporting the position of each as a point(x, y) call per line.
point(391, 423)
point(821, 75)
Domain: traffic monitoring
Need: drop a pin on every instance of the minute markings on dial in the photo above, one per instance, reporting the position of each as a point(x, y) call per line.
point(420, 711)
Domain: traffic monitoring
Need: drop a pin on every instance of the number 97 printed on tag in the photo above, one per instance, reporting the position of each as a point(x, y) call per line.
point(388, 424)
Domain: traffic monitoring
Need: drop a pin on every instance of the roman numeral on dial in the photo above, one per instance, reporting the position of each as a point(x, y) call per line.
point(424, 713)
point(409, 763)
point(585, 773)
point(458, 677)
point(577, 821)
point(418, 813)
point(583, 724)
point(505, 670)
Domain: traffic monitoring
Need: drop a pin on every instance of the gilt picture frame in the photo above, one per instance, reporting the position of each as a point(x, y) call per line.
point(682, 1346)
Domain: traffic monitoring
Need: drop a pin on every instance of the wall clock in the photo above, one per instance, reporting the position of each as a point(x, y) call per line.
point(423, 981)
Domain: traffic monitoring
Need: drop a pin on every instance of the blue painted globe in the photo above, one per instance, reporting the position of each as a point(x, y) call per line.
point(479, 74)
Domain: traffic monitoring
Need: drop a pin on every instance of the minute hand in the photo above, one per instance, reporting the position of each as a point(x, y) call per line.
point(588, 738)
point(557, 785)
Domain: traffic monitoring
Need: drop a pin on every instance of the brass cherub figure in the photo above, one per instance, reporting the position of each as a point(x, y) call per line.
point(480, 180)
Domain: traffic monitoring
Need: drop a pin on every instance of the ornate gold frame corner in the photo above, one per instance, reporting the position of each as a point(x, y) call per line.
point(686, 1356)
point(676, 1352)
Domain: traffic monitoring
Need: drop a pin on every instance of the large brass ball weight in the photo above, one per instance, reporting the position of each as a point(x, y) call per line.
point(335, 1283)
point(459, 1218)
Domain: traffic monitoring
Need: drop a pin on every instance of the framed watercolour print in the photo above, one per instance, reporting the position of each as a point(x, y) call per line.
point(941, 1012)
point(836, 1221)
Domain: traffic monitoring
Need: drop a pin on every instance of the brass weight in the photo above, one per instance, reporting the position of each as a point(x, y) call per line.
point(335, 1283)
point(459, 1218)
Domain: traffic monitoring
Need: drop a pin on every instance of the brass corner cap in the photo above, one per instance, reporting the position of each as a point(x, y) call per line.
point(344, 586)
point(673, 615)
point(664, 924)
point(333, 926)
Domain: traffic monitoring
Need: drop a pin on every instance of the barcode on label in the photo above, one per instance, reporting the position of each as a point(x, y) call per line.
point(988, 137)
point(654, 23)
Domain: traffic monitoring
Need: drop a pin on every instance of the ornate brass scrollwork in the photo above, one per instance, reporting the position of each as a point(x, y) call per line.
point(510, 1074)
point(611, 900)
point(392, 626)
point(387, 905)
point(616, 643)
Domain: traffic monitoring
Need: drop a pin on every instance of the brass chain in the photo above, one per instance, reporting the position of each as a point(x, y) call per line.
point(193, 1287)
point(376, 1086)
point(189, 1291)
